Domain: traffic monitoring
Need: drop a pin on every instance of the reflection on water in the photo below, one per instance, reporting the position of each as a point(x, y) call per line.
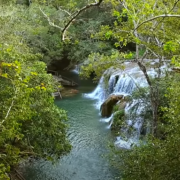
point(89, 137)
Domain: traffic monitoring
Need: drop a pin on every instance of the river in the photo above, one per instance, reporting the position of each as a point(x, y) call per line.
point(89, 136)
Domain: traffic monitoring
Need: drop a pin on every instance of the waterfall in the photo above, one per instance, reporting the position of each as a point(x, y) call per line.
point(120, 81)
point(123, 82)
point(133, 123)
point(76, 70)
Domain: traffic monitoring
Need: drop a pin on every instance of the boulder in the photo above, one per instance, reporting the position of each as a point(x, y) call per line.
point(107, 107)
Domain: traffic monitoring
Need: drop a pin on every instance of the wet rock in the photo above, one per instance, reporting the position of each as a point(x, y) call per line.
point(107, 107)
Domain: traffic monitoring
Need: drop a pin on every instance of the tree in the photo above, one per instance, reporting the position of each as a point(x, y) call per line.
point(76, 21)
point(30, 123)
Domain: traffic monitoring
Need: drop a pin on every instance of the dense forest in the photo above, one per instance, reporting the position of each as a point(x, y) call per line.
point(41, 35)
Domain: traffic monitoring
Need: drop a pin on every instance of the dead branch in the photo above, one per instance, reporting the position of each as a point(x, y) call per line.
point(49, 21)
point(73, 17)
point(19, 175)
point(76, 15)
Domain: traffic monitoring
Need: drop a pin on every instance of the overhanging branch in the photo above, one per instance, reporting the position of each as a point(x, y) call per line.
point(72, 17)
point(174, 5)
point(157, 17)
point(76, 15)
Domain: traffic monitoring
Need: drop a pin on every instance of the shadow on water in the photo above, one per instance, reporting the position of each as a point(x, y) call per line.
point(88, 135)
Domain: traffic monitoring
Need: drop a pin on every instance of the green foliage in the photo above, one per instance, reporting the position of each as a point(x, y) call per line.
point(118, 121)
point(171, 46)
point(141, 93)
point(30, 123)
point(37, 34)
point(98, 63)
point(115, 108)
point(82, 34)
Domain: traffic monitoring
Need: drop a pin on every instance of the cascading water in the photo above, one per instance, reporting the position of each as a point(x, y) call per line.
point(132, 130)
point(76, 69)
point(123, 82)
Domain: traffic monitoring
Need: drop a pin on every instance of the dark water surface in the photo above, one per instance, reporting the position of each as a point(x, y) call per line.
point(88, 135)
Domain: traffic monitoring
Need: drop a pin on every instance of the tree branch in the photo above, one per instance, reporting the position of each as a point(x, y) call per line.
point(157, 17)
point(65, 11)
point(73, 17)
point(19, 175)
point(49, 21)
point(12, 103)
point(7, 114)
point(174, 5)
point(76, 15)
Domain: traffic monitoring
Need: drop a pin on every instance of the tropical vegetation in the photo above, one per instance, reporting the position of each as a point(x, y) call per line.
point(38, 35)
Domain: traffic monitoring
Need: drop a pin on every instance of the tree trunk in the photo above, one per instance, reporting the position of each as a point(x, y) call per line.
point(154, 94)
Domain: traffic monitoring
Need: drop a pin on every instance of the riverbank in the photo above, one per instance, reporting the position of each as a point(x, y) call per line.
point(89, 137)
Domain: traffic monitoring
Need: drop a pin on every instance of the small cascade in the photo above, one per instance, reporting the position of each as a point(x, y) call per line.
point(117, 81)
point(133, 125)
point(108, 120)
point(123, 82)
point(76, 70)
point(100, 93)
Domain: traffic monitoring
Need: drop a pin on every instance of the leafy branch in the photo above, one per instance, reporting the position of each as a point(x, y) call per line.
point(157, 17)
